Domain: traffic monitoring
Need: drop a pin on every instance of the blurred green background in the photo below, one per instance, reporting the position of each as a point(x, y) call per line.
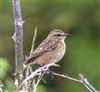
point(80, 18)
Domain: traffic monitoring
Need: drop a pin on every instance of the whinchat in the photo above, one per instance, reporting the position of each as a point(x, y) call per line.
point(51, 50)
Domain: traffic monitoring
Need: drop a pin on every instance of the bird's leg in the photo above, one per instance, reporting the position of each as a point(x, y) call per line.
point(41, 65)
point(50, 73)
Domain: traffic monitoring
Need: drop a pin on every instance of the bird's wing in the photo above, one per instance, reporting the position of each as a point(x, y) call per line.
point(33, 56)
point(44, 47)
point(47, 45)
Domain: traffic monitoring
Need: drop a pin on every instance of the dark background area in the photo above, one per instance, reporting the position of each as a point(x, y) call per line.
point(80, 18)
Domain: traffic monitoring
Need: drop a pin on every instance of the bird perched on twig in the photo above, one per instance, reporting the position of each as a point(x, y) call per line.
point(51, 50)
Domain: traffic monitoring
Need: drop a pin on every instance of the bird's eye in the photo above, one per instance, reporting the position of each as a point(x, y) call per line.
point(58, 35)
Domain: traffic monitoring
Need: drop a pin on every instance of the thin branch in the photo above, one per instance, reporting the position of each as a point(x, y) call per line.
point(82, 81)
point(43, 70)
point(18, 39)
point(29, 69)
point(36, 73)
point(89, 85)
point(33, 41)
point(40, 77)
point(31, 51)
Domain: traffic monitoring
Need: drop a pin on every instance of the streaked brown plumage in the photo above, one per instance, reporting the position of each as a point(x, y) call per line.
point(51, 50)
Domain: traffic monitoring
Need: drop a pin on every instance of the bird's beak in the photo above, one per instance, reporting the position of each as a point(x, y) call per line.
point(66, 34)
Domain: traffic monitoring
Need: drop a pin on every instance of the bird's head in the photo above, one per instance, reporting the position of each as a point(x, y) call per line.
point(58, 34)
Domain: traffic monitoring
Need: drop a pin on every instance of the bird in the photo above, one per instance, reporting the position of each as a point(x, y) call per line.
point(51, 50)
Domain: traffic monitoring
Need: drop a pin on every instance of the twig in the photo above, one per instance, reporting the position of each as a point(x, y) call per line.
point(82, 81)
point(31, 51)
point(39, 79)
point(18, 39)
point(43, 70)
point(37, 72)
point(90, 86)
point(29, 69)
point(35, 86)
point(33, 41)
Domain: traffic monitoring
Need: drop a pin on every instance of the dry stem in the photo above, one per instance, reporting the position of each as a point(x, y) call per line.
point(43, 70)
point(18, 39)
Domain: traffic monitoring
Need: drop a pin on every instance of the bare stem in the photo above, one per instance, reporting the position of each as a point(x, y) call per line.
point(82, 81)
point(39, 79)
point(36, 73)
point(43, 70)
point(33, 41)
point(18, 39)
point(29, 69)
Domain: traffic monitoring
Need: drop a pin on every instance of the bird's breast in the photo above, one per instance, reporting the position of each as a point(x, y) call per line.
point(60, 51)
